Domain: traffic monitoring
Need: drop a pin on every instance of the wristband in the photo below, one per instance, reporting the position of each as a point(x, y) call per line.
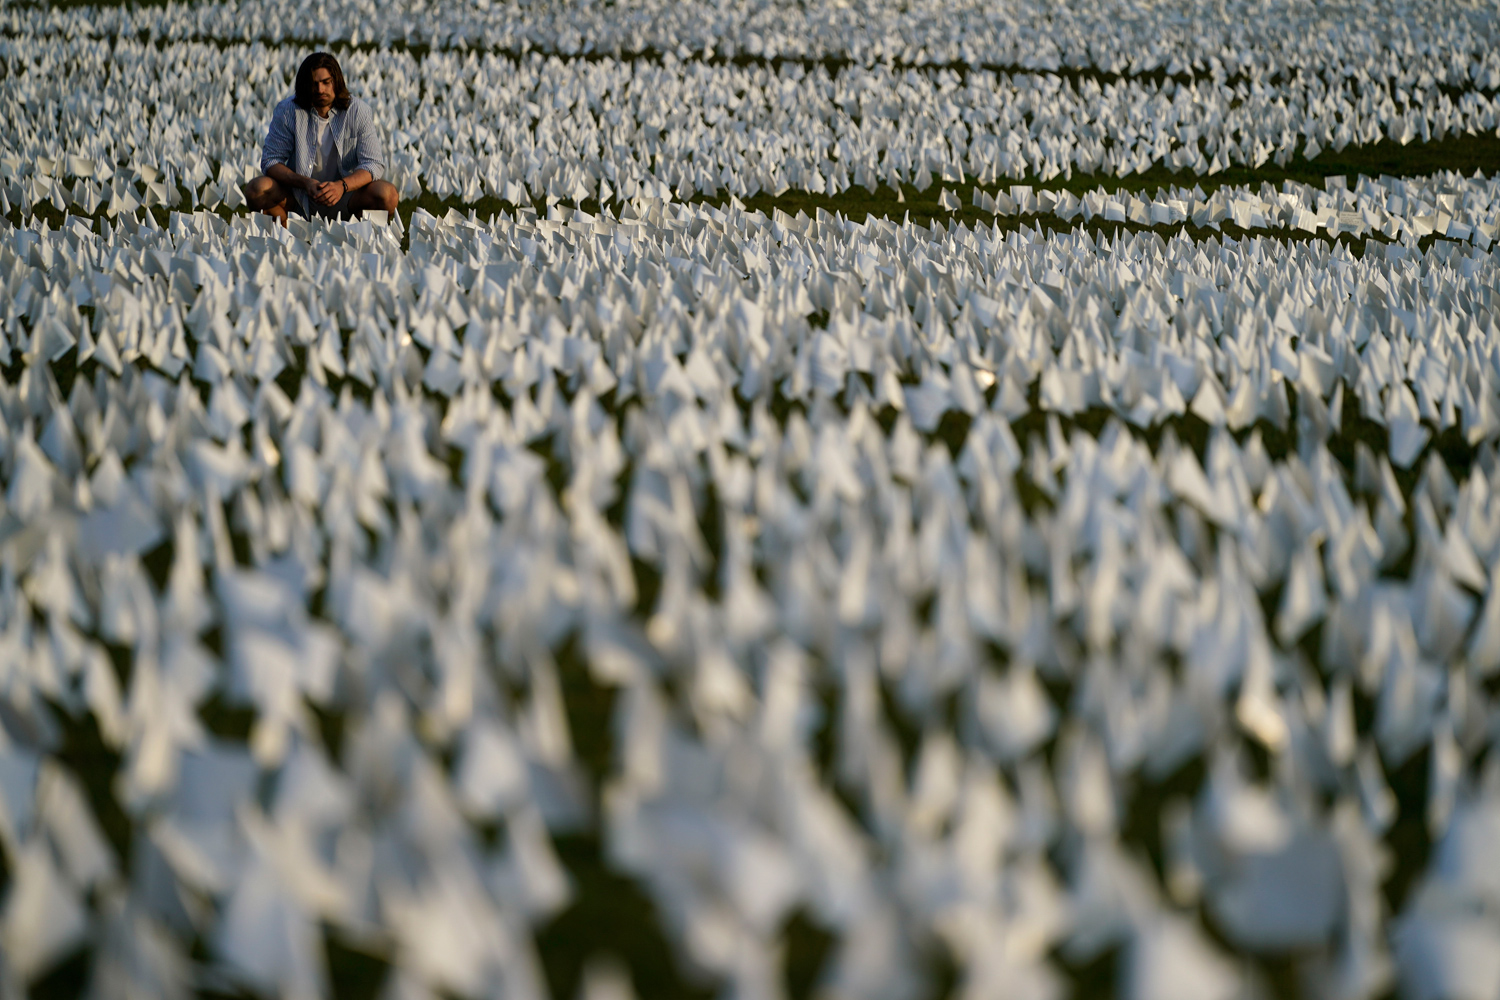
point(346, 186)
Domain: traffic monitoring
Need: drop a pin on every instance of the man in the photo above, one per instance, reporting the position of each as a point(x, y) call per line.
point(322, 153)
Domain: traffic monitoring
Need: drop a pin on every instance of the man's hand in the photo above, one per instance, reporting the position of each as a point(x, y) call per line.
point(326, 192)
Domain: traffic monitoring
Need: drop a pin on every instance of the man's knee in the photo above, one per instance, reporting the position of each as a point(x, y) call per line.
point(262, 192)
point(383, 194)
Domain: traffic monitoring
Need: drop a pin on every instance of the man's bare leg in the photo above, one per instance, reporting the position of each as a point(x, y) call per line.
point(265, 195)
point(379, 195)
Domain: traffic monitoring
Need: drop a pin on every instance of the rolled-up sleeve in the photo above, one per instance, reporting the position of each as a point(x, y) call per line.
point(367, 144)
point(280, 143)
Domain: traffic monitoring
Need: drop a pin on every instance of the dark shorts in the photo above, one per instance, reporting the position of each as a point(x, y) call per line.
point(340, 210)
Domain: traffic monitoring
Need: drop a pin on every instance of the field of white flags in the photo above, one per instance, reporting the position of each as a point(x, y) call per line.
point(803, 501)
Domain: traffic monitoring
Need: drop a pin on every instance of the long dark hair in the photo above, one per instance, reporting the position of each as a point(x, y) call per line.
point(304, 91)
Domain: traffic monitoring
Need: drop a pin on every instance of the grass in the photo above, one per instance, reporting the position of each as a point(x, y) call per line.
point(1465, 154)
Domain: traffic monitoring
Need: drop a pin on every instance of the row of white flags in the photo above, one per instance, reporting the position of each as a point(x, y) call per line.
point(1396, 42)
point(792, 487)
point(110, 122)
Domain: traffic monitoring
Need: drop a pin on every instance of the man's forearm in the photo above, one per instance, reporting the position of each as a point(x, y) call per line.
point(358, 179)
point(287, 177)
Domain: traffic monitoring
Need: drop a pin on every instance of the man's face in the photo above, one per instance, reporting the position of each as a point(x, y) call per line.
point(322, 81)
